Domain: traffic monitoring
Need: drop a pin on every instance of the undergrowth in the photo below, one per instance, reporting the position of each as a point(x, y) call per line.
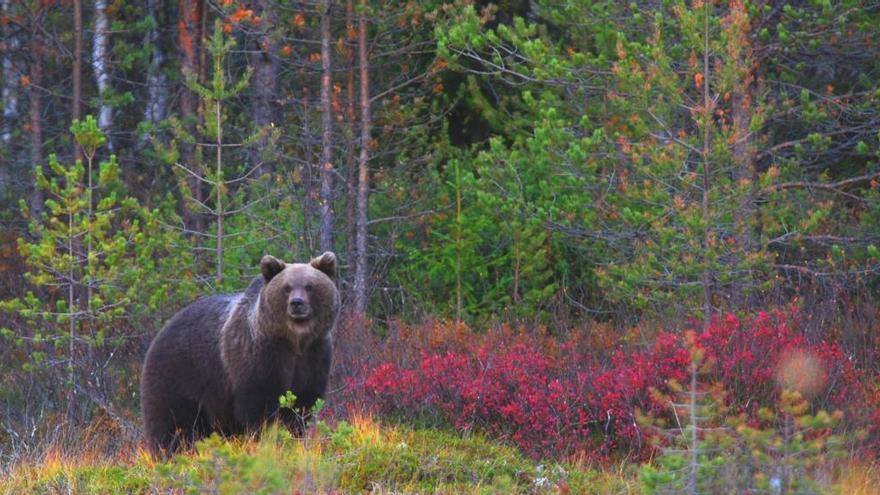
point(356, 457)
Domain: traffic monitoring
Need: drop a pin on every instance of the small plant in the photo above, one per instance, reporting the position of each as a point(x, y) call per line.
point(287, 406)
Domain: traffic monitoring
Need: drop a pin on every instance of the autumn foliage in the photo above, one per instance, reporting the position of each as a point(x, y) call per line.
point(555, 396)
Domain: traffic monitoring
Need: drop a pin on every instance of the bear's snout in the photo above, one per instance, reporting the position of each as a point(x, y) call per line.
point(298, 306)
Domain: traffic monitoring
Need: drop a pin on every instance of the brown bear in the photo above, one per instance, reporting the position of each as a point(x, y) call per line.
point(221, 363)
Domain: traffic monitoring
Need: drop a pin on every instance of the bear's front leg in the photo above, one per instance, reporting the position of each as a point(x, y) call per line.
point(251, 407)
point(293, 419)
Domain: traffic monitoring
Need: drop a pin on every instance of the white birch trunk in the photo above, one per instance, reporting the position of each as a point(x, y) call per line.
point(11, 77)
point(101, 65)
point(157, 83)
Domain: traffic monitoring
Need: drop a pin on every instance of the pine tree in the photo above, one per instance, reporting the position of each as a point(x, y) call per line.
point(226, 196)
point(95, 257)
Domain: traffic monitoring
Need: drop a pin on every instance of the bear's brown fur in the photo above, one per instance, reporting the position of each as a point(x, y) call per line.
point(221, 363)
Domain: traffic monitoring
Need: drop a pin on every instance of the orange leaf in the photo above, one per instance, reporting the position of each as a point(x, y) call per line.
point(286, 50)
point(25, 81)
point(240, 15)
point(698, 79)
point(299, 21)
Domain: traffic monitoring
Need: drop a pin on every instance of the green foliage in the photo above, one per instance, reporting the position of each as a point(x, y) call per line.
point(455, 262)
point(636, 148)
point(497, 239)
point(96, 259)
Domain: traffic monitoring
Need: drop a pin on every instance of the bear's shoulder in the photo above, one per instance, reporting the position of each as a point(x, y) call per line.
point(253, 289)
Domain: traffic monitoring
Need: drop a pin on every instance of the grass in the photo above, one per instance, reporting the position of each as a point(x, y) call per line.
point(362, 456)
point(356, 457)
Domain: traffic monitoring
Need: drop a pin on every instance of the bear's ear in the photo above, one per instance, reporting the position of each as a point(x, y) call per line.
point(326, 263)
point(270, 266)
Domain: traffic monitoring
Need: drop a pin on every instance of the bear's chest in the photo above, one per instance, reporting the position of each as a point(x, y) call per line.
point(285, 367)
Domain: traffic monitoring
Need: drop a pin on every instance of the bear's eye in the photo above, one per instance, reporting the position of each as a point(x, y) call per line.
point(309, 287)
point(286, 288)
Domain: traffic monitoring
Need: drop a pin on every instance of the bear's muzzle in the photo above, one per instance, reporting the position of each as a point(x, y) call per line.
point(298, 308)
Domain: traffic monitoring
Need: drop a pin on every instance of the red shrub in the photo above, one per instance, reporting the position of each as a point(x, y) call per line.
point(748, 360)
point(554, 397)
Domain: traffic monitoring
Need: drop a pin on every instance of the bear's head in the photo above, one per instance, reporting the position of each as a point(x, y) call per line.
point(299, 302)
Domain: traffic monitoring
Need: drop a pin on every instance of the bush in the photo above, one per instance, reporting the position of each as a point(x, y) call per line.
point(555, 397)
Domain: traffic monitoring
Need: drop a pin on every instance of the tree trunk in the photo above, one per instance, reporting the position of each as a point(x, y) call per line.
point(101, 65)
point(706, 278)
point(746, 216)
point(363, 188)
point(11, 77)
point(35, 101)
point(10, 93)
point(744, 155)
point(220, 189)
point(351, 162)
point(157, 83)
point(264, 83)
point(76, 98)
point(328, 213)
point(189, 37)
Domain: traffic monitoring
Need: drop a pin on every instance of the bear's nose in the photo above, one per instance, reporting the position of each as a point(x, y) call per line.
point(297, 302)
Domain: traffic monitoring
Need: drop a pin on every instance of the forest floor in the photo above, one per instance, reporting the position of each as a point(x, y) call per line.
point(357, 457)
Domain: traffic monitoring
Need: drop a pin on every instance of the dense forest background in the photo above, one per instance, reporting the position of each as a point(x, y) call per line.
point(602, 173)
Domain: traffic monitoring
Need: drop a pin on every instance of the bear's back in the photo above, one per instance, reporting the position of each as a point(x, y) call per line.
point(185, 353)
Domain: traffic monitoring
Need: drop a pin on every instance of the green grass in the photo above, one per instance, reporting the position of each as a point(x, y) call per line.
point(363, 456)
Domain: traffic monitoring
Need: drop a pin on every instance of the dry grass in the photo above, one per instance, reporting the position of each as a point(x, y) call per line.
point(860, 479)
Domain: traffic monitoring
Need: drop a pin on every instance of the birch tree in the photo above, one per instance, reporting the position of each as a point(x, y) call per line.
point(157, 83)
point(11, 76)
point(101, 66)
